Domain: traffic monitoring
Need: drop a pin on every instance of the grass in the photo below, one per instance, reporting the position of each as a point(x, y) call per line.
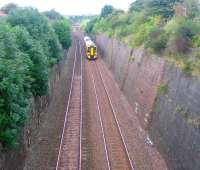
point(162, 89)
point(187, 68)
point(131, 59)
point(189, 64)
point(189, 118)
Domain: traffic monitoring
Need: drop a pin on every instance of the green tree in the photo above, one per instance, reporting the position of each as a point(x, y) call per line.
point(15, 83)
point(8, 42)
point(9, 7)
point(55, 48)
point(137, 5)
point(28, 45)
point(39, 71)
point(164, 8)
point(39, 66)
point(106, 10)
point(53, 15)
point(90, 25)
point(62, 29)
point(14, 99)
point(35, 23)
point(39, 28)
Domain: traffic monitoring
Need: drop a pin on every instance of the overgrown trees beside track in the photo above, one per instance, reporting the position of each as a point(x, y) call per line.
point(29, 47)
point(62, 30)
point(168, 27)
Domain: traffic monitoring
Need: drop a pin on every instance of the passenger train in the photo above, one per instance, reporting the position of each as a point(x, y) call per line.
point(91, 49)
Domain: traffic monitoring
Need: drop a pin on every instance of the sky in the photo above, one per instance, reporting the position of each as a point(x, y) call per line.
point(71, 7)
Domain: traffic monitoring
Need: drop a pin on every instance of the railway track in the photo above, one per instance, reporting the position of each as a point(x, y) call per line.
point(117, 155)
point(70, 151)
point(69, 156)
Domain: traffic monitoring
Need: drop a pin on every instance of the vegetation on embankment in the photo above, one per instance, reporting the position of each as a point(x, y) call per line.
point(30, 44)
point(168, 27)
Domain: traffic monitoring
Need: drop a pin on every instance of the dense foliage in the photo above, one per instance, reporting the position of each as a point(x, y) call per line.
point(62, 29)
point(29, 46)
point(164, 8)
point(53, 15)
point(106, 10)
point(170, 27)
point(9, 7)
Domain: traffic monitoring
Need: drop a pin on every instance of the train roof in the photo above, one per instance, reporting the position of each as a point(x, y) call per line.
point(86, 38)
point(90, 43)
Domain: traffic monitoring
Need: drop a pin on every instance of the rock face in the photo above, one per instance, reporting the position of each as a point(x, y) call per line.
point(137, 74)
point(170, 114)
point(175, 126)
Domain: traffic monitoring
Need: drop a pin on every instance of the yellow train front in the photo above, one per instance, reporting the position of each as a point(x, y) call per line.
point(91, 49)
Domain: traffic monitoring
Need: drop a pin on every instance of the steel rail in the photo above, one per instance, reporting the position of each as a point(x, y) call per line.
point(67, 110)
point(81, 121)
point(100, 119)
point(114, 114)
point(101, 122)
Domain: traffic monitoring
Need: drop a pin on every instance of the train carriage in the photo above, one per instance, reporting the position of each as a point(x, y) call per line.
point(91, 49)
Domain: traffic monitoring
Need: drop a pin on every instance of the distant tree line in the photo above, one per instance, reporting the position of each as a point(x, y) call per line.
point(77, 19)
point(30, 44)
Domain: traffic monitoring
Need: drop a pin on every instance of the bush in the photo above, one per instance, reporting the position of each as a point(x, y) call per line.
point(178, 44)
point(181, 35)
point(188, 29)
point(156, 40)
point(162, 89)
point(141, 28)
point(196, 40)
point(187, 68)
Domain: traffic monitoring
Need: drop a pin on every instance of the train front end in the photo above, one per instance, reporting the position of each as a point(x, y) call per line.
point(91, 49)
